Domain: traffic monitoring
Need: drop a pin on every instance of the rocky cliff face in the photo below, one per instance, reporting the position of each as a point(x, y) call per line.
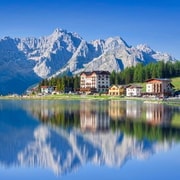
point(24, 61)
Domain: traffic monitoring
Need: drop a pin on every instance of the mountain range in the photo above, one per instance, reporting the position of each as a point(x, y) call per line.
point(64, 151)
point(25, 61)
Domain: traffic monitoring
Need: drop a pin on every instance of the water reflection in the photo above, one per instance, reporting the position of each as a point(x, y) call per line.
point(65, 135)
point(94, 116)
point(159, 114)
point(97, 115)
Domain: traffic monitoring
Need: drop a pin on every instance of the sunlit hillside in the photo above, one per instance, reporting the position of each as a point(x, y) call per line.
point(176, 82)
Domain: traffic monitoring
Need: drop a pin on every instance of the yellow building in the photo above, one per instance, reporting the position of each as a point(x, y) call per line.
point(117, 90)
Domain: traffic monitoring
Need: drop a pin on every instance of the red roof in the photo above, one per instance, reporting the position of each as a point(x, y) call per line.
point(44, 87)
point(158, 79)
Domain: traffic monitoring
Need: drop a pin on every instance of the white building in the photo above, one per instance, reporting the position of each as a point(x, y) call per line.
point(95, 81)
point(47, 89)
point(159, 87)
point(133, 90)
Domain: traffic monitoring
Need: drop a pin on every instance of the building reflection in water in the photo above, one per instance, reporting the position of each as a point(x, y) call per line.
point(33, 144)
point(133, 109)
point(152, 113)
point(97, 115)
point(122, 110)
point(158, 114)
point(94, 116)
point(117, 110)
point(66, 149)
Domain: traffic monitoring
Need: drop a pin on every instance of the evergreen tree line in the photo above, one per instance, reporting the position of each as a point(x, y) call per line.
point(139, 73)
point(69, 83)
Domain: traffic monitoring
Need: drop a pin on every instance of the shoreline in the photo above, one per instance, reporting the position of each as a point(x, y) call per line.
point(174, 100)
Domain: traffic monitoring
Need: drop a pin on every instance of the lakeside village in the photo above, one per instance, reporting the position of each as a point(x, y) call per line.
point(98, 83)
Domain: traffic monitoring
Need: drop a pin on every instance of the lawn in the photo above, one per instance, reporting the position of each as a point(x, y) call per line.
point(176, 83)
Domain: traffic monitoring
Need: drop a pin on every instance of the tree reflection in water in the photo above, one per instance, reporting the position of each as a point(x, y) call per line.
point(150, 120)
point(69, 134)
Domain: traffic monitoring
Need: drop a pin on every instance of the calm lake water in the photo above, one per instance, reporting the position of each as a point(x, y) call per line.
point(58, 139)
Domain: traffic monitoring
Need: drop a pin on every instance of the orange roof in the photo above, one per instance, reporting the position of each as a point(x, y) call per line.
point(157, 79)
point(44, 86)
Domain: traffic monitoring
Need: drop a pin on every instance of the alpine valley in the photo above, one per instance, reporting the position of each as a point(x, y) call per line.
point(25, 61)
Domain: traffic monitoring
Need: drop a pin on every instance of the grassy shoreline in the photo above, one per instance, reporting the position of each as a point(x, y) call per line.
point(91, 97)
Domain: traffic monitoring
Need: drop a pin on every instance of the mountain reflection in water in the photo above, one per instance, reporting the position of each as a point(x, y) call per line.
point(69, 134)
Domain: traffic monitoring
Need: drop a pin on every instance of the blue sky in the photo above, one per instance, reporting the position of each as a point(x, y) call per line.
point(152, 22)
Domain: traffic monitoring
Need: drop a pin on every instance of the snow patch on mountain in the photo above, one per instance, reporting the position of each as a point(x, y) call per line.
point(76, 149)
point(67, 52)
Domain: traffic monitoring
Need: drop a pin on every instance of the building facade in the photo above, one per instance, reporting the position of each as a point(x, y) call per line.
point(95, 81)
point(47, 89)
point(133, 90)
point(117, 90)
point(159, 87)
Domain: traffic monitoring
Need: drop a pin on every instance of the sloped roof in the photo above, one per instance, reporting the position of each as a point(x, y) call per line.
point(87, 73)
point(134, 86)
point(158, 79)
point(119, 86)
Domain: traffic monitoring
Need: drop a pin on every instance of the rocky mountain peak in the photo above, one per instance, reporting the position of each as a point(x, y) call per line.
point(116, 42)
point(64, 51)
point(145, 48)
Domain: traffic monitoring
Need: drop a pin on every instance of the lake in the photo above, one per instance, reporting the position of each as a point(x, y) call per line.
point(87, 139)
